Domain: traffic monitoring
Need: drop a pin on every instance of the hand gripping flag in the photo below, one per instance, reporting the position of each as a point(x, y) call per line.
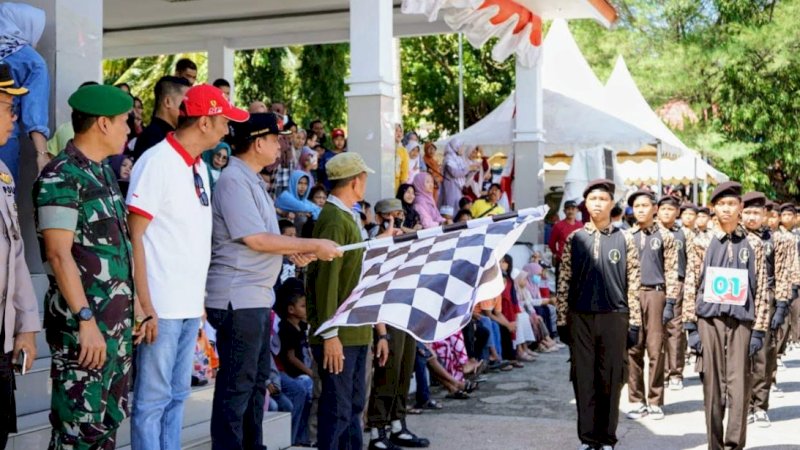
point(428, 286)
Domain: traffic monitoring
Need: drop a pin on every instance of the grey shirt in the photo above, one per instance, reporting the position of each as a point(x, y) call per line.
point(238, 275)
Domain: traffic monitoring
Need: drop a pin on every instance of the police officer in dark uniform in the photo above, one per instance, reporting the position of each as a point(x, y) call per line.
point(675, 345)
point(727, 315)
point(778, 252)
point(658, 256)
point(599, 314)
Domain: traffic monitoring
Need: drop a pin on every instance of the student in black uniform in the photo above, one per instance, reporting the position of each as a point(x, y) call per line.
point(688, 215)
point(727, 314)
point(598, 315)
point(675, 345)
point(658, 256)
point(779, 251)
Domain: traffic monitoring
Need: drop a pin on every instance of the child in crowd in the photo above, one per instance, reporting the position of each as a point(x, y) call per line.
point(288, 269)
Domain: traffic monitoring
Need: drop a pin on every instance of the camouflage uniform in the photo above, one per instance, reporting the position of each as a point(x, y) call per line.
point(88, 405)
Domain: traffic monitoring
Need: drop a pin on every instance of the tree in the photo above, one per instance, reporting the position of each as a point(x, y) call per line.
point(261, 75)
point(321, 77)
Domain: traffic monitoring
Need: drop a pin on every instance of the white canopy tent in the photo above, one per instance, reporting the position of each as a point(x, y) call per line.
point(684, 170)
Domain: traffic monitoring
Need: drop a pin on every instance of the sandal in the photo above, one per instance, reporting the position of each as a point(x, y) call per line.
point(517, 365)
point(414, 411)
point(432, 404)
point(470, 386)
point(458, 395)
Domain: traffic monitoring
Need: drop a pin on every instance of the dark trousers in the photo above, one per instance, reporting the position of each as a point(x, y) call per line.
point(651, 339)
point(547, 317)
point(8, 410)
point(598, 371)
point(724, 368)
point(794, 320)
point(675, 345)
point(342, 401)
point(244, 364)
point(507, 343)
point(764, 363)
point(390, 383)
point(423, 394)
point(476, 337)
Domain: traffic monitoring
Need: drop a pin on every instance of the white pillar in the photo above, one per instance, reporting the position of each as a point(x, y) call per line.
point(370, 100)
point(72, 47)
point(529, 144)
point(220, 62)
point(397, 74)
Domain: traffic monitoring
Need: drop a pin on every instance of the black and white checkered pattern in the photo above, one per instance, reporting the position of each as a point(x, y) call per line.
point(428, 287)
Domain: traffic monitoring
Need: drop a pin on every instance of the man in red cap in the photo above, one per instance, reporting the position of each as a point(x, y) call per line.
point(170, 228)
point(726, 313)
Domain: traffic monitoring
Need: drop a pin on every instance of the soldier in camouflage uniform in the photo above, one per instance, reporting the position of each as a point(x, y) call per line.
point(81, 218)
point(599, 315)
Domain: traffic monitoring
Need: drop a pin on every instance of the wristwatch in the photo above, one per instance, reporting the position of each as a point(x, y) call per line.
point(384, 336)
point(85, 314)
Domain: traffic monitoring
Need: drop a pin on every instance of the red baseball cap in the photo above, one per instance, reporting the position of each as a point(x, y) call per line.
point(206, 100)
point(337, 132)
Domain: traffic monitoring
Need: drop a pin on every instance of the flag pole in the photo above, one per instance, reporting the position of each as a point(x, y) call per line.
point(438, 231)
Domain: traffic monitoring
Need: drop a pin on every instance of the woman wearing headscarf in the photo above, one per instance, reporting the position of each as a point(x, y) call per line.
point(424, 203)
point(21, 27)
point(308, 164)
point(122, 166)
point(433, 167)
point(455, 169)
point(216, 159)
point(295, 198)
point(414, 161)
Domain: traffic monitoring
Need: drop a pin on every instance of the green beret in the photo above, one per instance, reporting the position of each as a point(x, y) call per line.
point(101, 100)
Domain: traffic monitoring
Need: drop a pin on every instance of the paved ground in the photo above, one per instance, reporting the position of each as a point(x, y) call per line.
point(534, 408)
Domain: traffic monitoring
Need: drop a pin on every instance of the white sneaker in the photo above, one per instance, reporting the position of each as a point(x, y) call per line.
point(675, 384)
point(606, 447)
point(585, 447)
point(751, 418)
point(776, 391)
point(781, 365)
point(638, 412)
point(762, 419)
point(656, 413)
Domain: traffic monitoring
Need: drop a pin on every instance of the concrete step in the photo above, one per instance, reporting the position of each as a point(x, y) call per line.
point(35, 427)
point(34, 388)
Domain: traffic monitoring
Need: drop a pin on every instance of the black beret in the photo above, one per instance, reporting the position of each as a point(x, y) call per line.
point(754, 199)
point(726, 189)
point(770, 205)
point(641, 192)
point(788, 207)
point(600, 184)
point(669, 200)
point(704, 210)
point(688, 205)
point(570, 204)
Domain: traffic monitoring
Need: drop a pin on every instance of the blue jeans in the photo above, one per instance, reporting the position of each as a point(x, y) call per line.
point(342, 401)
point(163, 382)
point(280, 402)
point(423, 393)
point(299, 390)
point(244, 364)
point(494, 337)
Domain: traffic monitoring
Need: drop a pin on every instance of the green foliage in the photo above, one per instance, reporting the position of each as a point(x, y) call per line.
point(321, 76)
point(429, 74)
point(261, 75)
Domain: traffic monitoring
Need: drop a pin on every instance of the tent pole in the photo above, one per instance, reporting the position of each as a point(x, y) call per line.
point(658, 165)
point(694, 182)
point(460, 82)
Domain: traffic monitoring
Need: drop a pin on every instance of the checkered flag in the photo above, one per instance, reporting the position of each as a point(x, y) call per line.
point(428, 286)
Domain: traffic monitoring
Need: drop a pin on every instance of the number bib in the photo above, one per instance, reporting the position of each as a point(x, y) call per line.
point(726, 286)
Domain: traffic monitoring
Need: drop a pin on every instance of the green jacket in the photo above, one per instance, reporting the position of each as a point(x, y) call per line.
point(330, 283)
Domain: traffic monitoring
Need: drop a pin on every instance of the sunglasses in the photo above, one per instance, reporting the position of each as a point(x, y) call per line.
point(199, 188)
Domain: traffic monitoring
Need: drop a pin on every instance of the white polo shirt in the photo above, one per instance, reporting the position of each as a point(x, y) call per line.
point(177, 242)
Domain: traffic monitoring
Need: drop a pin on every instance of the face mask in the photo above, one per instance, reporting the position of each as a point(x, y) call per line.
point(536, 279)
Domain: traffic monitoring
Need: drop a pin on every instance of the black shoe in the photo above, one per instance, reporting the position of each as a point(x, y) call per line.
point(382, 443)
point(405, 438)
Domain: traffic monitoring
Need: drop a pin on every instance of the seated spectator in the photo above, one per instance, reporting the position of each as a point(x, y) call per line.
point(318, 196)
point(456, 389)
point(21, 27)
point(531, 298)
point(288, 268)
point(513, 313)
point(422, 395)
point(424, 203)
point(122, 166)
point(308, 164)
point(387, 211)
point(487, 205)
point(462, 216)
point(406, 194)
point(433, 167)
point(446, 212)
point(216, 159)
point(465, 203)
point(295, 355)
point(295, 199)
point(482, 313)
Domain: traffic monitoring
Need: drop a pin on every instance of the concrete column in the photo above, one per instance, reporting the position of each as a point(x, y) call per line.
point(72, 46)
point(529, 144)
point(370, 100)
point(220, 62)
point(397, 75)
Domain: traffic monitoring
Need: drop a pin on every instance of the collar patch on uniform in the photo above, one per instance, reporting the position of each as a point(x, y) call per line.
point(679, 244)
point(744, 255)
point(5, 177)
point(768, 248)
point(614, 256)
point(655, 244)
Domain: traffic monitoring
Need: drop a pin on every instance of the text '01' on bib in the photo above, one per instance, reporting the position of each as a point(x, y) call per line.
point(726, 286)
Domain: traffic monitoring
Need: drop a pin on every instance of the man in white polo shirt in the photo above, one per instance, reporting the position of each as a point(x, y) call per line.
point(170, 227)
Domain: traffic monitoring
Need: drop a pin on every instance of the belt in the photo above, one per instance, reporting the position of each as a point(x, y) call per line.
point(656, 287)
point(681, 279)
